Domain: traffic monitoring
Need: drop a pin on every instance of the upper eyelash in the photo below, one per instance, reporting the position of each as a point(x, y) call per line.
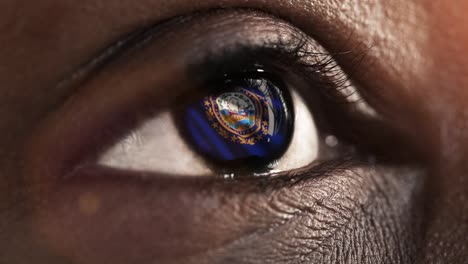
point(292, 56)
point(342, 82)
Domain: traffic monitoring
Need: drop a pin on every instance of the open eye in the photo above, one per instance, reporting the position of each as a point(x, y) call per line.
point(267, 100)
point(243, 124)
point(258, 108)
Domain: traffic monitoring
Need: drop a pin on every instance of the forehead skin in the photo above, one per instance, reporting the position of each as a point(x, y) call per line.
point(417, 49)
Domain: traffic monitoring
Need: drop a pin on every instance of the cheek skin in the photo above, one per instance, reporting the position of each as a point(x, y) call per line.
point(316, 220)
point(383, 226)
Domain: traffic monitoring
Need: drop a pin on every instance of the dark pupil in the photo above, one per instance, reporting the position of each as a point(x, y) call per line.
point(248, 123)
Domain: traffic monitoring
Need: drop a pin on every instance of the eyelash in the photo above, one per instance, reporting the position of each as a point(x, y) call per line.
point(325, 81)
point(281, 59)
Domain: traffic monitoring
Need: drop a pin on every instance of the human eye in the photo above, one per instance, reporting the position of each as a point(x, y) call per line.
point(259, 105)
point(207, 122)
point(245, 121)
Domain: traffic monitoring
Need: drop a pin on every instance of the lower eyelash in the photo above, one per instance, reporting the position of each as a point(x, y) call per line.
point(299, 176)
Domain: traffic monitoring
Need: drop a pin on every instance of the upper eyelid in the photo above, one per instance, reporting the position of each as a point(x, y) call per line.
point(132, 41)
point(138, 37)
point(258, 31)
point(109, 54)
point(274, 32)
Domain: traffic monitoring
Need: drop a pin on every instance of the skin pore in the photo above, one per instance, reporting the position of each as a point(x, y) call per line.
point(413, 74)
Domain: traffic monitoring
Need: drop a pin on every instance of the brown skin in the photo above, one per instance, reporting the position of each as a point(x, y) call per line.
point(414, 74)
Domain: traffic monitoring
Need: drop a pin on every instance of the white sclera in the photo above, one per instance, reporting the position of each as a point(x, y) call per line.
point(157, 146)
point(304, 147)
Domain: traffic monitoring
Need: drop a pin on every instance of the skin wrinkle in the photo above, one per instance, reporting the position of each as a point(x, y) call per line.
point(308, 250)
point(197, 262)
point(373, 244)
point(42, 42)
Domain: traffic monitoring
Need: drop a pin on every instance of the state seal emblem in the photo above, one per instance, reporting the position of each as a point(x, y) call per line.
point(240, 116)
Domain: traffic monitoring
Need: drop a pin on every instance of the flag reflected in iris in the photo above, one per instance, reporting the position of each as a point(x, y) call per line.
point(250, 122)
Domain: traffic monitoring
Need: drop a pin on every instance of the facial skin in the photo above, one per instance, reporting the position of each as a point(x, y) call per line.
point(413, 74)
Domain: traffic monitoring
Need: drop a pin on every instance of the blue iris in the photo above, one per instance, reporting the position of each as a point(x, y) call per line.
point(246, 123)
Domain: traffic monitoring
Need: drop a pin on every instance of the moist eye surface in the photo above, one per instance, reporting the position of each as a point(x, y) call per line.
point(217, 114)
point(245, 122)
